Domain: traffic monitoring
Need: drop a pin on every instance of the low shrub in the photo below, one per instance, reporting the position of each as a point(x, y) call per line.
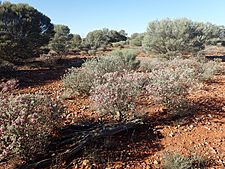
point(178, 161)
point(171, 86)
point(116, 93)
point(81, 80)
point(6, 66)
point(8, 86)
point(78, 81)
point(92, 52)
point(26, 122)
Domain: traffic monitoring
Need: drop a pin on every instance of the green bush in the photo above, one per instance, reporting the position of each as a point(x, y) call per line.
point(24, 30)
point(81, 80)
point(60, 43)
point(26, 122)
point(180, 35)
point(78, 81)
point(136, 39)
point(92, 52)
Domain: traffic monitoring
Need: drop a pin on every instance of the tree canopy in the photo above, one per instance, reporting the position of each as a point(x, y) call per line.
point(23, 31)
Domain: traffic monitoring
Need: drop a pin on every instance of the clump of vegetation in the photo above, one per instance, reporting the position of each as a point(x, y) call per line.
point(178, 161)
point(26, 122)
point(99, 38)
point(78, 81)
point(116, 93)
point(24, 30)
point(92, 52)
point(60, 43)
point(171, 86)
point(8, 86)
point(182, 35)
point(81, 80)
point(136, 39)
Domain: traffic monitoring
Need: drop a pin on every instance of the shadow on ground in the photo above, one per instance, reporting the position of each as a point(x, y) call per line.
point(39, 74)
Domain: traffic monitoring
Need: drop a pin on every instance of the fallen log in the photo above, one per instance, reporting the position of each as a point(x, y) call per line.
point(74, 139)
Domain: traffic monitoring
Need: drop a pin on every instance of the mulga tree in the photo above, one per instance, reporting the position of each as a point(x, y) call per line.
point(61, 41)
point(75, 42)
point(23, 31)
point(99, 38)
point(182, 35)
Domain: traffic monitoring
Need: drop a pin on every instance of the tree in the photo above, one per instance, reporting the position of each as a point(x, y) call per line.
point(181, 35)
point(23, 31)
point(136, 39)
point(76, 41)
point(61, 40)
point(98, 38)
point(95, 39)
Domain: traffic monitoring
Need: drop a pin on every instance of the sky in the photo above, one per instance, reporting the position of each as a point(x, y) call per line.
point(83, 16)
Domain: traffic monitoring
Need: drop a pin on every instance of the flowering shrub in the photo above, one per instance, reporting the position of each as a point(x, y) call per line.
point(8, 86)
point(171, 85)
point(26, 122)
point(203, 69)
point(116, 92)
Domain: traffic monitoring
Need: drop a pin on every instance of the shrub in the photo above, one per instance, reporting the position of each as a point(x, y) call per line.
point(81, 80)
point(26, 122)
point(203, 69)
point(8, 86)
point(181, 35)
point(24, 30)
point(136, 39)
point(78, 81)
point(60, 43)
point(92, 52)
point(6, 66)
point(178, 161)
point(116, 92)
point(170, 86)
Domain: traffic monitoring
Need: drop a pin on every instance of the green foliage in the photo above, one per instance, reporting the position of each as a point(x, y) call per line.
point(178, 161)
point(181, 35)
point(61, 40)
point(98, 38)
point(81, 80)
point(26, 122)
point(136, 39)
point(76, 42)
point(78, 81)
point(92, 52)
point(23, 31)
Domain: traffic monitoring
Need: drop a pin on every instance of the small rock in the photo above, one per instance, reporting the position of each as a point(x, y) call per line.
point(155, 162)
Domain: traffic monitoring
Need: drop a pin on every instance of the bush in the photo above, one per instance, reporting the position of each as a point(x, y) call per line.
point(181, 35)
point(92, 52)
point(26, 121)
point(171, 86)
point(204, 69)
point(8, 86)
point(6, 66)
point(136, 39)
point(81, 80)
point(78, 81)
point(178, 161)
point(116, 93)
point(24, 30)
